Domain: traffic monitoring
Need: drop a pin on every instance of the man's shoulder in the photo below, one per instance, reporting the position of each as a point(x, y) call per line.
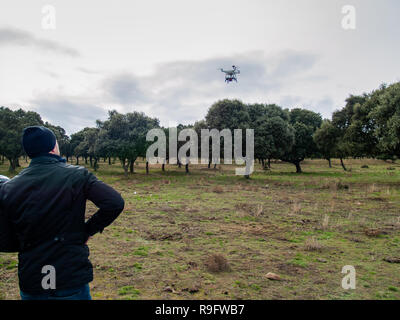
point(73, 169)
point(12, 186)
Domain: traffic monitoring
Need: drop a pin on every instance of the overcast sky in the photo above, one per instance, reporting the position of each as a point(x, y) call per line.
point(162, 57)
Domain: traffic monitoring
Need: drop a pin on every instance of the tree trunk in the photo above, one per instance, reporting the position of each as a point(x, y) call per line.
point(209, 164)
point(269, 163)
point(163, 167)
point(125, 170)
point(147, 167)
point(266, 164)
point(95, 164)
point(12, 166)
point(342, 163)
point(86, 160)
point(91, 161)
point(125, 167)
point(298, 167)
point(330, 162)
point(187, 167)
point(77, 161)
point(131, 166)
point(109, 161)
point(17, 163)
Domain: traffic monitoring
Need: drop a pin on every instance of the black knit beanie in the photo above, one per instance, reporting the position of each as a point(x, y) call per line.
point(38, 140)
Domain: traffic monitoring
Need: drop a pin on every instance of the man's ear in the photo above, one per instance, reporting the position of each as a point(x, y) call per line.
point(56, 149)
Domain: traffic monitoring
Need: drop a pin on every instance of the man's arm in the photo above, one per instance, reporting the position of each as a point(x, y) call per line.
point(8, 238)
point(109, 202)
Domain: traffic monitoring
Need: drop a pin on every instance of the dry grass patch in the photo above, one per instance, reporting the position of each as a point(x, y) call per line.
point(296, 208)
point(245, 207)
point(325, 222)
point(397, 223)
point(217, 263)
point(339, 185)
point(259, 211)
point(312, 244)
point(372, 188)
point(218, 189)
point(334, 185)
point(373, 232)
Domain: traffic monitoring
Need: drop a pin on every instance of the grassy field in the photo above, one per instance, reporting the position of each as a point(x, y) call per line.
point(213, 235)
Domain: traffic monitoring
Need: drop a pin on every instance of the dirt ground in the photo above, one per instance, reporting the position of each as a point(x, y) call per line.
point(212, 235)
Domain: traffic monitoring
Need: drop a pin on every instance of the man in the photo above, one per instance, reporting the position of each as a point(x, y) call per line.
point(42, 216)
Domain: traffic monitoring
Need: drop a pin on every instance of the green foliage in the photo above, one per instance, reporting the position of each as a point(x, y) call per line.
point(274, 137)
point(12, 124)
point(367, 126)
point(79, 149)
point(228, 114)
point(326, 138)
point(305, 123)
point(63, 139)
point(386, 117)
point(124, 136)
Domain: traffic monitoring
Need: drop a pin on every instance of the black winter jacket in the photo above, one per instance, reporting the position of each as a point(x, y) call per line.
point(42, 216)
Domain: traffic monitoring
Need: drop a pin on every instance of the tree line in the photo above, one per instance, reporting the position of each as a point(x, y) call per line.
point(367, 126)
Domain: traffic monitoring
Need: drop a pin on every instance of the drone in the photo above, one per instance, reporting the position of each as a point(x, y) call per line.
point(230, 75)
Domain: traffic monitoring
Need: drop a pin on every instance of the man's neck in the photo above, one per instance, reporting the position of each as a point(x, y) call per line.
point(53, 155)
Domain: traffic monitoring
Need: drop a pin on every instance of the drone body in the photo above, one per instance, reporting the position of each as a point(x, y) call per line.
point(230, 75)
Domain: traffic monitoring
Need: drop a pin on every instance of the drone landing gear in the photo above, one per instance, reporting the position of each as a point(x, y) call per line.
point(230, 79)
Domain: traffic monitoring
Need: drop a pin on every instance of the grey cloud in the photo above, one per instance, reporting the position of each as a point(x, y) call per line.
point(292, 63)
point(290, 101)
point(87, 71)
point(17, 37)
point(67, 112)
point(183, 91)
point(124, 89)
point(324, 106)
